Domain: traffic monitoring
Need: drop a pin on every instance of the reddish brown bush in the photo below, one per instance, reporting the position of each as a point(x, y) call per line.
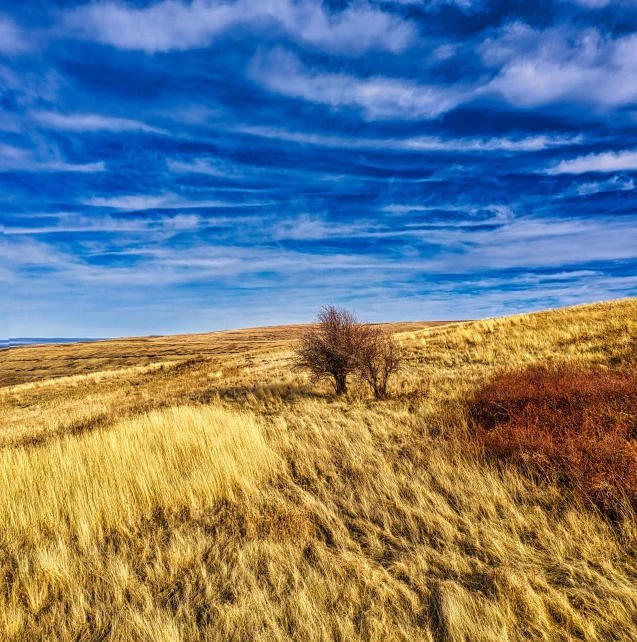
point(579, 425)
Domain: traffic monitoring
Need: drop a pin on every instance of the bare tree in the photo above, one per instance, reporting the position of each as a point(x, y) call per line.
point(331, 348)
point(379, 357)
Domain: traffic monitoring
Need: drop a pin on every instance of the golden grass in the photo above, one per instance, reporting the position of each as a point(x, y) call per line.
point(223, 498)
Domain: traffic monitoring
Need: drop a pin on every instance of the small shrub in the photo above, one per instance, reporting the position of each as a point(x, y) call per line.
point(338, 345)
point(577, 424)
point(330, 349)
point(379, 358)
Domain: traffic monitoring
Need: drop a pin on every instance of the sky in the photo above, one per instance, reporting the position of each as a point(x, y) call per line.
point(170, 166)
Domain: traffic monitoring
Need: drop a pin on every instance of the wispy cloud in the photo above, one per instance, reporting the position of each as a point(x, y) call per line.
point(472, 214)
point(23, 89)
point(532, 143)
point(91, 123)
point(173, 25)
point(12, 39)
point(524, 243)
point(140, 202)
point(67, 223)
point(314, 228)
point(24, 160)
point(613, 184)
point(208, 166)
point(603, 163)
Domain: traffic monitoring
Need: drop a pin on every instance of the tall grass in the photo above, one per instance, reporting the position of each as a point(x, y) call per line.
point(83, 486)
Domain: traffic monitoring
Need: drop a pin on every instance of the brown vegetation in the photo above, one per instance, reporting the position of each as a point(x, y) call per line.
point(248, 505)
point(576, 424)
point(379, 358)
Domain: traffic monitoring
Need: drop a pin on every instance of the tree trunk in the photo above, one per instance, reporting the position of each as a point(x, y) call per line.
point(340, 383)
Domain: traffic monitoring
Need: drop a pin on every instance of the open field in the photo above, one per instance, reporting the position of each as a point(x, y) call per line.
point(198, 488)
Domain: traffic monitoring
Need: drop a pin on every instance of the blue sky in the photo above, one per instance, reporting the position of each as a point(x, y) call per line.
point(189, 166)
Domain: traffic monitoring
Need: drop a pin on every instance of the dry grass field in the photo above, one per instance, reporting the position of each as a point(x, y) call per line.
point(198, 488)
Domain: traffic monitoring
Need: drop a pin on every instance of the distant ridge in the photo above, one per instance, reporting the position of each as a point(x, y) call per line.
point(14, 342)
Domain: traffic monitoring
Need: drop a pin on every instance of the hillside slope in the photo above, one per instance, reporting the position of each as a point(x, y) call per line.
point(219, 496)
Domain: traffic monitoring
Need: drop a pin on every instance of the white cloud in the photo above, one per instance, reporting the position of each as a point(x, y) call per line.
point(60, 166)
point(136, 202)
point(531, 68)
point(561, 64)
point(313, 228)
point(529, 242)
point(604, 162)
point(208, 166)
point(29, 88)
point(171, 25)
point(30, 252)
point(379, 97)
point(490, 214)
point(90, 122)
point(533, 242)
point(496, 143)
point(9, 154)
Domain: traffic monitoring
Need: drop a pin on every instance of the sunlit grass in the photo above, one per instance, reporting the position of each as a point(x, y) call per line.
point(83, 486)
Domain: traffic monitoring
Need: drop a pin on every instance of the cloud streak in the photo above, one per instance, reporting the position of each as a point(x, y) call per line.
point(91, 123)
point(143, 202)
point(23, 160)
point(505, 144)
point(605, 162)
point(378, 97)
point(12, 40)
point(616, 183)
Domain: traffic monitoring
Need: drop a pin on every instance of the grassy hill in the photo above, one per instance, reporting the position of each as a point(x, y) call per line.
point(197, 488)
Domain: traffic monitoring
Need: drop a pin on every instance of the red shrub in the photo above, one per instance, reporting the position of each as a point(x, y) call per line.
point(580, 425)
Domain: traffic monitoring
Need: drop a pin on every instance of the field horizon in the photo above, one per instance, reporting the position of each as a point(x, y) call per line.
point(197, 487)
point(173, 346)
